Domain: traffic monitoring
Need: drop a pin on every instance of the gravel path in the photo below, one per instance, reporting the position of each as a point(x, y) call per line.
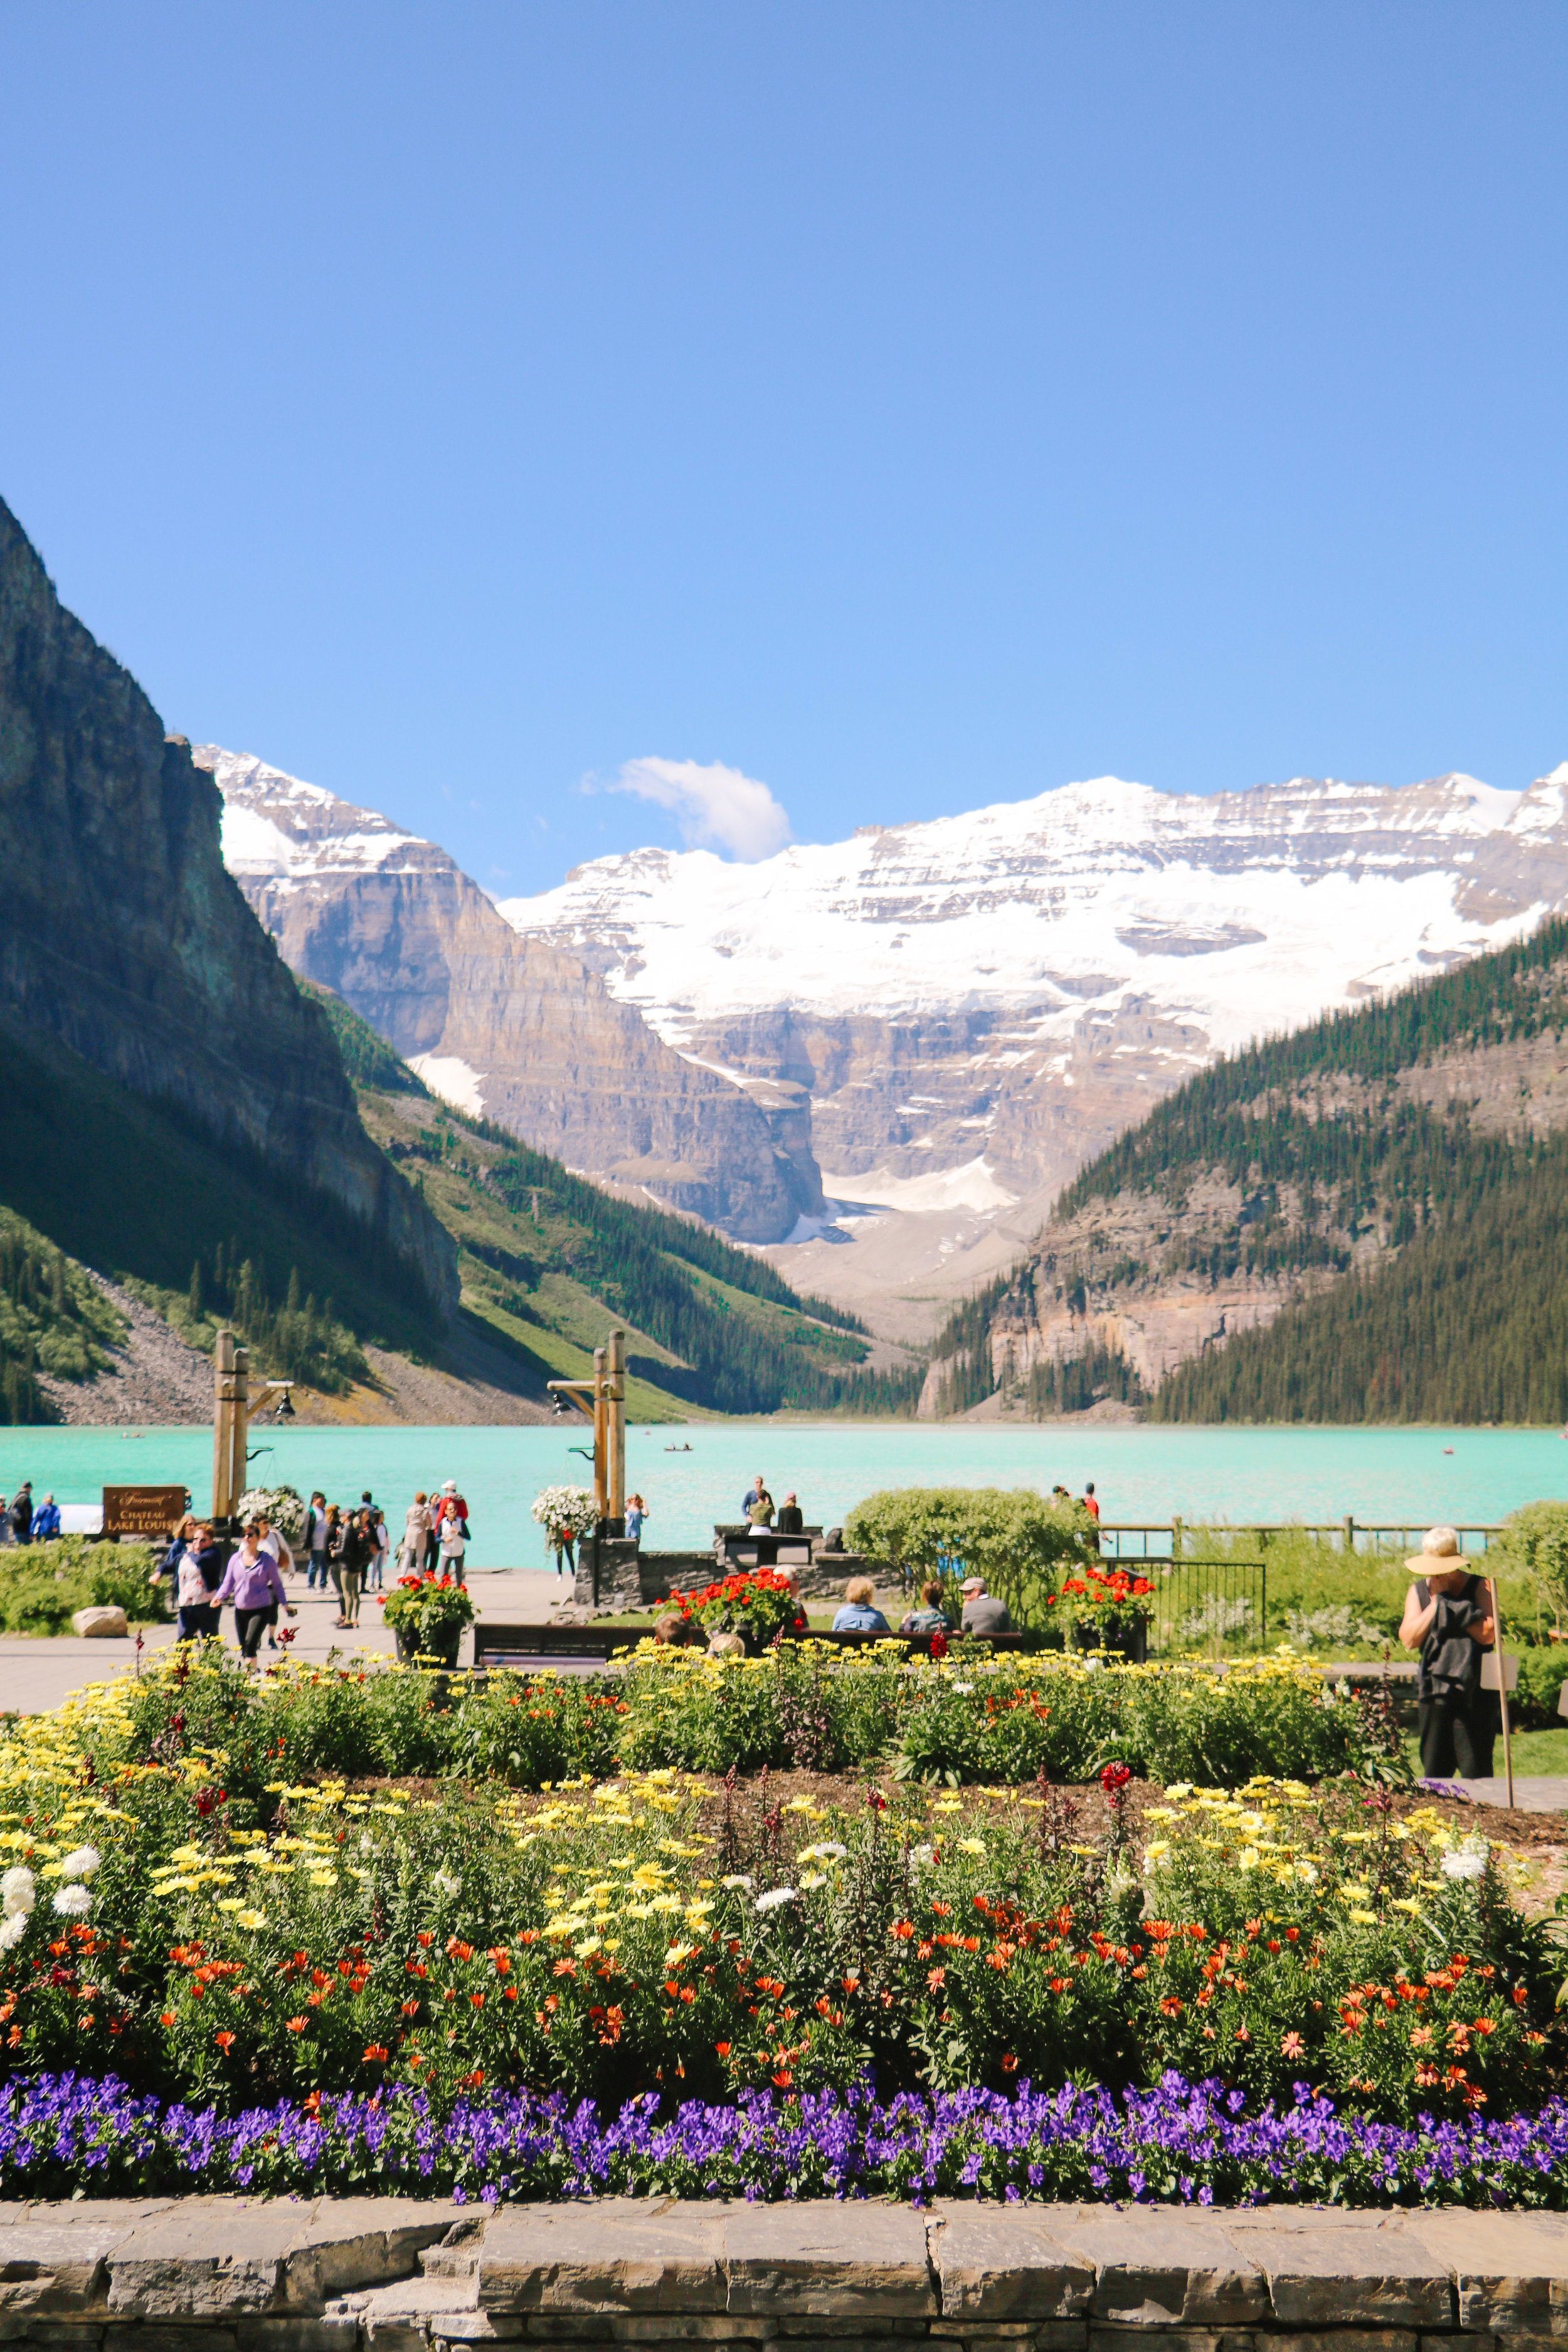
point(154, 1377)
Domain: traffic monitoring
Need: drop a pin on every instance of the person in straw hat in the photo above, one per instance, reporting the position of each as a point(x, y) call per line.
point(1447, 1620)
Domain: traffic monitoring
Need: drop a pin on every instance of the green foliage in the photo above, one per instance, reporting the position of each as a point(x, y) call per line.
point(1436, 1242)
point(1534, 1542)
point(368, 1059)
point(297, 1340)
point(53, 1319)
point(731, 1336)
point(128, 1187)
point(1016, 1540)
point(43, 1585)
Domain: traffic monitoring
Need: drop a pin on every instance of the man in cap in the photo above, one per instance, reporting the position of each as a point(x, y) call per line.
point(983, 1612)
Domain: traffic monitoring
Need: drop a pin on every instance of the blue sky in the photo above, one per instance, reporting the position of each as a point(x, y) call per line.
point(902, 406)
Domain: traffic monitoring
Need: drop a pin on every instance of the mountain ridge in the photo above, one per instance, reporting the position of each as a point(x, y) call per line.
point(518, 1030)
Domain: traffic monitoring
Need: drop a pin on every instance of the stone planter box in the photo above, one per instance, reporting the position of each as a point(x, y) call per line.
point(398, 2274)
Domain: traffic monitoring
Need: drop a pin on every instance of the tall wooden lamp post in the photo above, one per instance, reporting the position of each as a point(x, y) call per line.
point(231, 1424)
point(603, 1400)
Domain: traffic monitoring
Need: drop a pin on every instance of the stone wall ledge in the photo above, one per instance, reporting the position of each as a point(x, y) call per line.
point(404, 2274)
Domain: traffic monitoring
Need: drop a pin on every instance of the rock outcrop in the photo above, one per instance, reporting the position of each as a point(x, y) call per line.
point(125, 938)
point(517, 1029)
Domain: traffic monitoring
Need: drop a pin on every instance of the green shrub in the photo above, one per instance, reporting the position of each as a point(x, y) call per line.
point(1020, 1542)
point(1534, 1544)
point(43, 1585)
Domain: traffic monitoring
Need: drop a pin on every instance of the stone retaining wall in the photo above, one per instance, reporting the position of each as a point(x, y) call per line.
point(228, 2275)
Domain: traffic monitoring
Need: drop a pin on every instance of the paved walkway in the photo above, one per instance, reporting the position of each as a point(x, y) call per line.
point(1531, 1794)
point(38, 1672)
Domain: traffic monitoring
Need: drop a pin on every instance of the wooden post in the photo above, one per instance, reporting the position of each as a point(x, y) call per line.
point(230, 1424)
point(222, 1377)
point(617, 1430)
point(601, 1484)
point(239, 1426)
point(1502, 1690)
point(1350, 1536)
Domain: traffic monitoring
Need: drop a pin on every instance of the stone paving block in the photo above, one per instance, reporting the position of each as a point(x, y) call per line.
point(61, 2265)
point(205, 2258)
point(1167, 2265)
point(829, 2260)
point(293, 2334)
point(1356, 2339)
point(692, 2327)
point(1345, 2269)
point(996, 2261)
point(1062, 2336)
point(1506, 2267)
point(622, 2254)
point(354, 2242)
point(1147, 2337)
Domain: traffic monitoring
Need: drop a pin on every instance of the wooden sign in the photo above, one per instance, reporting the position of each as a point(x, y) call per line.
point(143, 1511)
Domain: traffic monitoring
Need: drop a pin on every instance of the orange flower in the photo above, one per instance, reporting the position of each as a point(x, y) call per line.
point(722, 2048)
point(1170, 2006)
point(903, 1929)
point(167, 2018)
point(1009, 2063)
point(376, 2054)
point(298, 2024)
point(224, 2040)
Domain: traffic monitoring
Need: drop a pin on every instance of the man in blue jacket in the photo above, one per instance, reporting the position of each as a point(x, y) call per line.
point(47, 1520)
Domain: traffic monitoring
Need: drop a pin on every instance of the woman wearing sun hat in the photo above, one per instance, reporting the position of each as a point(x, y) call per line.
point(1447, 1619)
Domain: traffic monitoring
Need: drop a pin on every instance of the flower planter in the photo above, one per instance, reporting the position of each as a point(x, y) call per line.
point(1129, 1642)
point(442, 1645)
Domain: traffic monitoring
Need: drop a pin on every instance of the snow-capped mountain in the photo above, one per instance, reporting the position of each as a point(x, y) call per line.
point(977, 1004)
point(514, 1028)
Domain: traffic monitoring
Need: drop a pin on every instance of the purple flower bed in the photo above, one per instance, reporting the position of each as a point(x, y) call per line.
point(1191, 2141)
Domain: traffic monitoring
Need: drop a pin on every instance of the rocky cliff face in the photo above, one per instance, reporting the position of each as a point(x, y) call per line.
point(518, 1029)
point(124, 937)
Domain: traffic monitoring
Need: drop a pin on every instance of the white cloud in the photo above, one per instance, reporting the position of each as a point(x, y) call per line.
point(715, 806)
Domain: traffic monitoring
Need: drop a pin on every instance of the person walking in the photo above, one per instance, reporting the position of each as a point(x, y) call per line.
point(252, 1584)
point(21, 1512)
point(357, 1552)
point(316, 1533)
point(337, 1527)
point(454, 1544)
point(375, 1581)
point(47, 1525)
point(1447, 1619)
point(194, 1612)
point(416, 1536)
point(5, 1535)
point(167, 1571)
point(636, 1512)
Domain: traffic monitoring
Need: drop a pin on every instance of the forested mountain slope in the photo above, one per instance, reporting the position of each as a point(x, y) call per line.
point(1363, 1220)
point(547, 1261)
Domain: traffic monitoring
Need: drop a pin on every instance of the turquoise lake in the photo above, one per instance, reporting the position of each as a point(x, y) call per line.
point(1140, 1473)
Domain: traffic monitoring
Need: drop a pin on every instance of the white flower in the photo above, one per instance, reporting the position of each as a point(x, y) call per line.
point(924, 1854)
point(1466, 1862)
point(773, 1897)
point(17, 1893)
point(12, 1933)
point(739, 1880)
point(1094, 1665)
point(73, 1902)
point(822, 1853)
point(448, 1885)
point(82, 1863)
point(967, 1689)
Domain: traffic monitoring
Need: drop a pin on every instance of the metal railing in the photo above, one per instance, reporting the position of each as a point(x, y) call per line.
point(1129, 1539)
point(1216, 1606)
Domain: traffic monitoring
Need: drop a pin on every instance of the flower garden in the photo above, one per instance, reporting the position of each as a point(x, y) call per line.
point(788, 1926)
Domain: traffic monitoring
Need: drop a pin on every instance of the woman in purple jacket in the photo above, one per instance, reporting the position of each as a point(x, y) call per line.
point(252, 1582)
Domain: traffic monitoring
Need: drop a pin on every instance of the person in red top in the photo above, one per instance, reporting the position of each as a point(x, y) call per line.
point(1090, 1505)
